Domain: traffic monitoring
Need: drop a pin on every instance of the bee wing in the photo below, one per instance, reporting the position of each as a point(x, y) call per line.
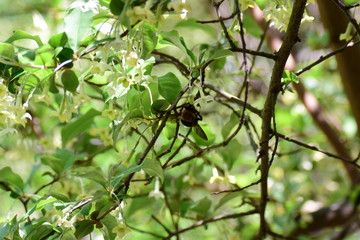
point(198, 130)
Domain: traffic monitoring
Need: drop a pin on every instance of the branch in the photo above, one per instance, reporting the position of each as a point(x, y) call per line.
point(210, 220)
point(233, 98)
point(313, 148)
point(323, 58)
point(219, 20)
point(270, 102)
point(348, 15)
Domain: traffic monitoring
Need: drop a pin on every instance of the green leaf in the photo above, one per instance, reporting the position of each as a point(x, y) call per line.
point(116, 6)
point(101, 79)
point(169, 87)
point(184, 207)
point(220, 54)
point(228, 197)
point(7, 51)
point(231, 152)
point(55, 163)
point(83, 228)
point(70, 80)
point(289, 77)
point(109, 223)
point(94, 174)
point(117, 127)
point(226, 129)
point(251, 26)
point(58, 40)
point(39, 206)
point(159, 105)
point(77, 24)
point(188, 51)
point(53, 87)
point(5, 229)
point(39, 230)
point(116, 180)
point(78, 126)
point(149, 38)
point(36, 77)
point(153, 167)
point(192, 23)
point(138, 98)
point(202, 206)
point(177, 41)
point(24, 35)
point(61, 161)
point(12, 180)
point(65, 54)
point(45, 56)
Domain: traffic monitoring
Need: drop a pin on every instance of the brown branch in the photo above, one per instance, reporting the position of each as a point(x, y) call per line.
point(161, 224)
point(143, 231)
point(210, 220)
point(182, 67)
point(270, 102)
point(218, 20)
point(323, 58)
point(348, 15)
point(314, 148)
point(233, 98)
point(352, 6)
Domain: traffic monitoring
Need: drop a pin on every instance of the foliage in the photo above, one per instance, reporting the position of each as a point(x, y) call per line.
point(92, 140)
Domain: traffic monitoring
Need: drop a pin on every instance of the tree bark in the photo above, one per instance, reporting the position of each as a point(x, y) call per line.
point(336, 21)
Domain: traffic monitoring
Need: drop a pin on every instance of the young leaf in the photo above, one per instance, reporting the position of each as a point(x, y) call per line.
point(169, 87)
point(289, 77)
point(70, 80)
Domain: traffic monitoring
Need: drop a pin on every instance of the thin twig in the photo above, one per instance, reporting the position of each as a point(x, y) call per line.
point(314, 148)
point(323, 58)
point(210, 220)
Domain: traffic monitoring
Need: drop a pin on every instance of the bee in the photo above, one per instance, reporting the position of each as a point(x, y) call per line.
point(189, 118)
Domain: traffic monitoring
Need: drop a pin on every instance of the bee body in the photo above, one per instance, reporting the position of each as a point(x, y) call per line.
point(190, 117)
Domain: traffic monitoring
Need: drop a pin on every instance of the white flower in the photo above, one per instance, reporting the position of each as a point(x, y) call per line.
point(156, 193)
